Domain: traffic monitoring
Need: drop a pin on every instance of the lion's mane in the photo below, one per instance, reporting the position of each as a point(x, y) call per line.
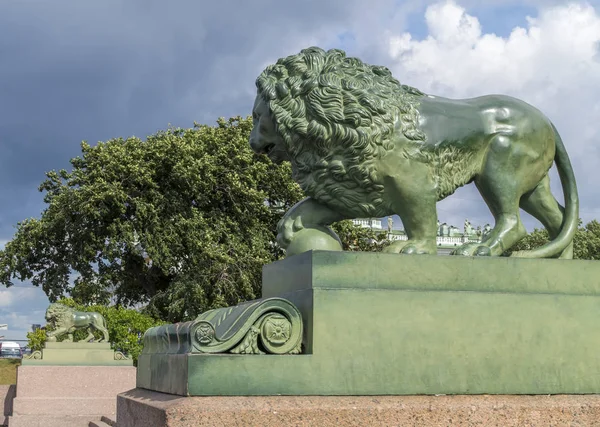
point(336, 116)
point(59, 314)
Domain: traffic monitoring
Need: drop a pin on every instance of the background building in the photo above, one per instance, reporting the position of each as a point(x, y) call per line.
point(448, 238)
point(372, 223)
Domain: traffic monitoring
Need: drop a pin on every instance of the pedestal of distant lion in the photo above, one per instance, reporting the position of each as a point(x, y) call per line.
point(70, 384)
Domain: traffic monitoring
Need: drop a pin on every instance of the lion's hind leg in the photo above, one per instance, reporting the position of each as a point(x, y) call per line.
point(102, 330)
point(507, 174)
point(90, 335)
point(507, 230)
point(541, 204)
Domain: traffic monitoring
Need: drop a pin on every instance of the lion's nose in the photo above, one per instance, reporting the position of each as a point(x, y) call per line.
point(253, 145)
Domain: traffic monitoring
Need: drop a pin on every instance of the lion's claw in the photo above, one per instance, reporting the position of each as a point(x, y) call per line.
point(472, 249)
point(483, 251)
point(286, 228)
point(409, 247)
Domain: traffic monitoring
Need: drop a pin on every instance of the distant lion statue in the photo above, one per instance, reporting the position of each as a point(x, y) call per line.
point(362, 145)
point(65, 320)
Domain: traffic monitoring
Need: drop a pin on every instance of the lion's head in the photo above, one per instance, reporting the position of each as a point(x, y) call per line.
point(57, 313)
point(332, 117)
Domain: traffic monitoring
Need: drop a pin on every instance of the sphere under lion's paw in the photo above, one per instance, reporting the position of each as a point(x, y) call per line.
point(317, 238)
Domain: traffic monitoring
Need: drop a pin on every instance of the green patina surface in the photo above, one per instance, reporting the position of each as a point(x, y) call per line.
point(65, 320)
point(365, 270)
point(268, 325)
point(389, 324)
point(362, 145)
point(78, 354)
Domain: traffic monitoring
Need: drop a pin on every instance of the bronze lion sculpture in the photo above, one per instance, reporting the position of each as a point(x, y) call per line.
point(363, 145)
point(65, 320)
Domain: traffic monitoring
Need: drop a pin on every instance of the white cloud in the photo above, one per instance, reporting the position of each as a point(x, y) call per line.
point(20, 323)
point(20, 307)
point(553, 64)
point(450, 25)
point(556, 49)
point(13, 295)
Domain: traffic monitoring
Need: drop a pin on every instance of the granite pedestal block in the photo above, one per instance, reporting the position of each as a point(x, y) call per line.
point(148, 408)
point(386, 324)
point(67, 395)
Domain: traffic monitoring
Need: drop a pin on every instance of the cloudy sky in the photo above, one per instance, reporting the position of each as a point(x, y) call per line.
point(73, 71)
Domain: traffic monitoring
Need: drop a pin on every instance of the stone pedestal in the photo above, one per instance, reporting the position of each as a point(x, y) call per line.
point(78, 353)
point(61, 396)
point(147, 408)
point(386, 324)
point(386, 340)
point(70, 384)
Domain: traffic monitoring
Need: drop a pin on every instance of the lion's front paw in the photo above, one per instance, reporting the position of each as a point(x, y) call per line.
point(395, 247)
point(419, 248)
point(286, 228)
point(411, 247)
point(472, 249)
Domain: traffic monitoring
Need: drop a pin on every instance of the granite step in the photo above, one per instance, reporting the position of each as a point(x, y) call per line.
point(49, 421)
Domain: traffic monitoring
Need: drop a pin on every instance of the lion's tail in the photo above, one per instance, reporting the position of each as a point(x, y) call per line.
point(571, 214)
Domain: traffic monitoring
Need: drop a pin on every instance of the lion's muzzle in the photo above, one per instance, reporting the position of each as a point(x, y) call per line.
point(261, 148)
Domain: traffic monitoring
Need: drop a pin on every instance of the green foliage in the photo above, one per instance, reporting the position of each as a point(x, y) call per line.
point(533, 240)
point(125, 328)
point(178, 221)
point(586, 242)
point(36, 339)
point(356, 238)
point(181, 223)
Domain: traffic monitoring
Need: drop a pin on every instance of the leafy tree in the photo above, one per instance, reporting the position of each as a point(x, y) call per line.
point(535, 239)
point(125, 328)
point(181, 222)
point(36, 339)
point(356, 238)
point(586, 242)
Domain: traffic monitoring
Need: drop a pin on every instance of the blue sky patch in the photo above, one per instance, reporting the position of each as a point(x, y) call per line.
point(496, 19)
point(416, 25)
point(346, 41)
point(502, 19)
